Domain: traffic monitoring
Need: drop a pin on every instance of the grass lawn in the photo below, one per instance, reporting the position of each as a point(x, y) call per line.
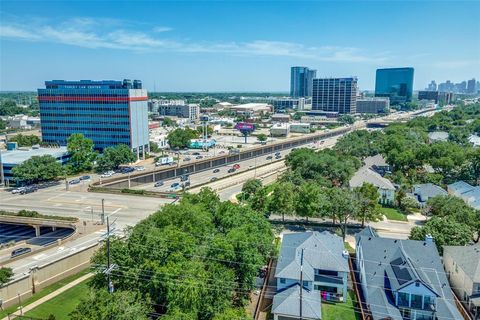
point(394, 214)
point(61, 305)
point(343, 311)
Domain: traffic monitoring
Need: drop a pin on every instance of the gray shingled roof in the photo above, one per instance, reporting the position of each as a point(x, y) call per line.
point(420, 262)
point(376, 160)
point(287, 303)
point(428, 190)
point(321, 251)
point(467, 258)
point(365, 174)
point(438, 136)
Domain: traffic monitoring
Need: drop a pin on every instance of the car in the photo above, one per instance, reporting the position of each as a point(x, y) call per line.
point(173, 189)
point(231, 170)
point(213, 179)
point(140, 168)
point(236, 166)
point(127, 170)
point(196, 154)
point(269, 158)
point(158, 184)
point(187, 159)
point(106, 175)
point(278, 157)
point(84, 178)
point(221, 152)
point(186, 184)
point(175, 185)
point(172, 163)
point(199, 157)
point(184, 177)
point(277, 153)
point(28, 190)
point(18, 190)
point(74, 181)
point(20, 251)
point(216, 170)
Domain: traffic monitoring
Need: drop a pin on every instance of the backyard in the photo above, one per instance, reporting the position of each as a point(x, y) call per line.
point(344, 311)
point(394, 214)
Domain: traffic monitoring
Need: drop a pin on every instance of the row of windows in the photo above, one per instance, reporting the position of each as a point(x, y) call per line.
point(83, 102)
point(79, 94)
point(47, 128)
point(48, 137)
point(86, 122)
point(81, 106)
point(82, 115)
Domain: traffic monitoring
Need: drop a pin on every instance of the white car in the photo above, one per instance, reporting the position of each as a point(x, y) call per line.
point(140, 168)
point(18, 190)
point(106, 175)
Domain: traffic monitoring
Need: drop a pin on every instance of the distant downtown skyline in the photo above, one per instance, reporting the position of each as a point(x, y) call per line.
point(234, 46)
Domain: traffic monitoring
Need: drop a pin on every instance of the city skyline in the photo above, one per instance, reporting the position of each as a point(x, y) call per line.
point(233, 46)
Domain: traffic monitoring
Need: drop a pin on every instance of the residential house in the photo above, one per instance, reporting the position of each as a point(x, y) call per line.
point(438, 136)
point(378, 164)
point(462, 264)
point(403, 279)
point(319, 263)
point(469, 193)
point(385, 188)
point(425, 191)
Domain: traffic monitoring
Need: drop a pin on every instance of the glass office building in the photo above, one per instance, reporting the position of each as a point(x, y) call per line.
point(108, 112)
point(334, 95)
point(301, 79)
point(394, 83)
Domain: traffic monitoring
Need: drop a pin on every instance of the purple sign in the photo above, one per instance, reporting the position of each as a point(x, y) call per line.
point(244, 126)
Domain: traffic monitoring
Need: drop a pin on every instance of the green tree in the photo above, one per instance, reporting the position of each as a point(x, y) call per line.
point(346, 119)
point(113, 157)
point(167, 122)
point(445, 232)
point(343, 206)
point(10, 108)
point(81, 151)
point(37, 169)
point(25, 140)
point(250, 187)
point(310, 201)
point(262, 137)
point(154, 147)
point(5, 275)
point(120, 305)
point(367, 199)
point(283, 199)
point(180, 138)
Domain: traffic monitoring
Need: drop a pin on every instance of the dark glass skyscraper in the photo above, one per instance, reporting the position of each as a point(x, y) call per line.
point(301, 79)
point(336, 95)
point(394, 83)
point(108, 112)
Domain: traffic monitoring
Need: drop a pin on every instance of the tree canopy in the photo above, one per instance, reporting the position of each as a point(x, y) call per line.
point(180, 138)
point(82, 153)
point(5, 275)
point(25, 140)
point(37, 169)
point(113, 157)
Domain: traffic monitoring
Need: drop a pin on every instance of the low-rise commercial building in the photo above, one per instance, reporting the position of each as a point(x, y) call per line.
point(280, 130)
point(187, 111)
point(280, 117)
point(299, 127)
point(12, 158)
point(373, 105)
point(251, 109)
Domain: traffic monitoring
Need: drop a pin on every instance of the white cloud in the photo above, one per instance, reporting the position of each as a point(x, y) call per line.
point(105, 33)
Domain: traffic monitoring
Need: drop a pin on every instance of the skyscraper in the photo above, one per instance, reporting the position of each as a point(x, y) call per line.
point(301, 82)
point(432, 86)
point(108, 112)
point(337, 95)
point(395, 83)
point(472, 86)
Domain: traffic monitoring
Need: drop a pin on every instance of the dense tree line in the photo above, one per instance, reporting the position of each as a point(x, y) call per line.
point(25, 140)
point(180, 138)
point(197, 259)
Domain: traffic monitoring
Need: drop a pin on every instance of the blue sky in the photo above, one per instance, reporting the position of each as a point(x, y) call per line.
point(234, 45)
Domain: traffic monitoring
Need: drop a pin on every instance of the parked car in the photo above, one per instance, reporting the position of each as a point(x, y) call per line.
point(278, 157)
point(18, 190)
point(184, 177)
point(20, 251)
point(85, 178)
point(158, 184)
point(196, 154)
point(187, 159)
point(106, 175)
point(140, 168)
point(216, 170)
point(74, 181)
point(236, 166)
point(213, 179)
point(128, 169)
point(221, 152)
point(231, 170)
point(269, 158)
point(199, 157)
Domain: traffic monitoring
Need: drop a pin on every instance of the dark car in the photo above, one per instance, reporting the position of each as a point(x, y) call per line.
point(196, 154)
point(28, 189)
point(187, 159)
point(184, 177)
point(20, 251)
point(216, 170)
point(199, 157)
point(74, 181)
point(186, 184)
point(269, 158)
point(158, 184)
point(278, 157)
point(213, 179)
point(231, 170)
point(175, 185)
point(128, 170)
point(85, 178)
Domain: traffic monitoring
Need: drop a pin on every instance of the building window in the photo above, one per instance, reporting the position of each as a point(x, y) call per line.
point(282, 280)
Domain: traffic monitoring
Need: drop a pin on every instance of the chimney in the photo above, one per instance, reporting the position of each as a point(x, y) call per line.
point(428, 238)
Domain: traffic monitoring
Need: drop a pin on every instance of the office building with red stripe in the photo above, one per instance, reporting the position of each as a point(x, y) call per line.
point(108, 112)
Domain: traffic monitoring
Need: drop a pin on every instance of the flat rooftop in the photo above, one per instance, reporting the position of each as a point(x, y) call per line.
point(20, 155)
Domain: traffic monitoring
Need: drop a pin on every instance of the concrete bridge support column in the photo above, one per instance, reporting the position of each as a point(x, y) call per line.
point(37, 230)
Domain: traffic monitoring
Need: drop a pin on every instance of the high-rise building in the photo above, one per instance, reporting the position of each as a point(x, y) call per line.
point(301, 82)
point(336, 95)
point(108, 112)
point(432, 86)
point(394, 83)
point(472, 86)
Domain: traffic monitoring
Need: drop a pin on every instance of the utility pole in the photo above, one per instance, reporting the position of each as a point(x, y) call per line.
point(301, 285)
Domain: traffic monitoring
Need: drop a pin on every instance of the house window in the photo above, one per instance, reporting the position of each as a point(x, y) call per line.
point(282, 280)
point(305, 283)
point(416, 301)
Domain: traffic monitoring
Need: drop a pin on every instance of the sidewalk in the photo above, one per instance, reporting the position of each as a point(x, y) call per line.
point(52, 295)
